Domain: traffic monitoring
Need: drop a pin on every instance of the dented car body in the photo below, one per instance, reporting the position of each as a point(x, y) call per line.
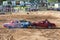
point(17, 24)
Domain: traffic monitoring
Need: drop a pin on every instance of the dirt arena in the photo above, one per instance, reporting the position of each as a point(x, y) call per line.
point(52, 16)
point(31, 34)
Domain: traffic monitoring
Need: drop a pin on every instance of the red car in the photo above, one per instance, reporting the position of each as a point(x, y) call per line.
point(43, 24)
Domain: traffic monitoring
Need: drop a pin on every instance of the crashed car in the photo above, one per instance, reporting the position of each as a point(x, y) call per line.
point(43, 24)
point(17, 24)
point(25, 24)
point(12, 24)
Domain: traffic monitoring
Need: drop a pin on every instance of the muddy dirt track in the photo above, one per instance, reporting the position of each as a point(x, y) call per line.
point(31, 34)
point(52, 16)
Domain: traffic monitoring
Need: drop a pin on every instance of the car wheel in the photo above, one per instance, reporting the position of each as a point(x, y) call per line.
point(53, 27)
point(10, 27)
point(49, 27)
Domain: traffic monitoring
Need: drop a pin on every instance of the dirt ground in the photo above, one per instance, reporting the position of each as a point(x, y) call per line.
point(31, 34)
point(52, 16)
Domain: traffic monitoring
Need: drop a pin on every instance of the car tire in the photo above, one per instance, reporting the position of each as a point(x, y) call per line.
point(49, 27)
point(10, 27)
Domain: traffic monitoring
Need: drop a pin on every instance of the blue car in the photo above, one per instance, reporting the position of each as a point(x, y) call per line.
point(25, 24)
